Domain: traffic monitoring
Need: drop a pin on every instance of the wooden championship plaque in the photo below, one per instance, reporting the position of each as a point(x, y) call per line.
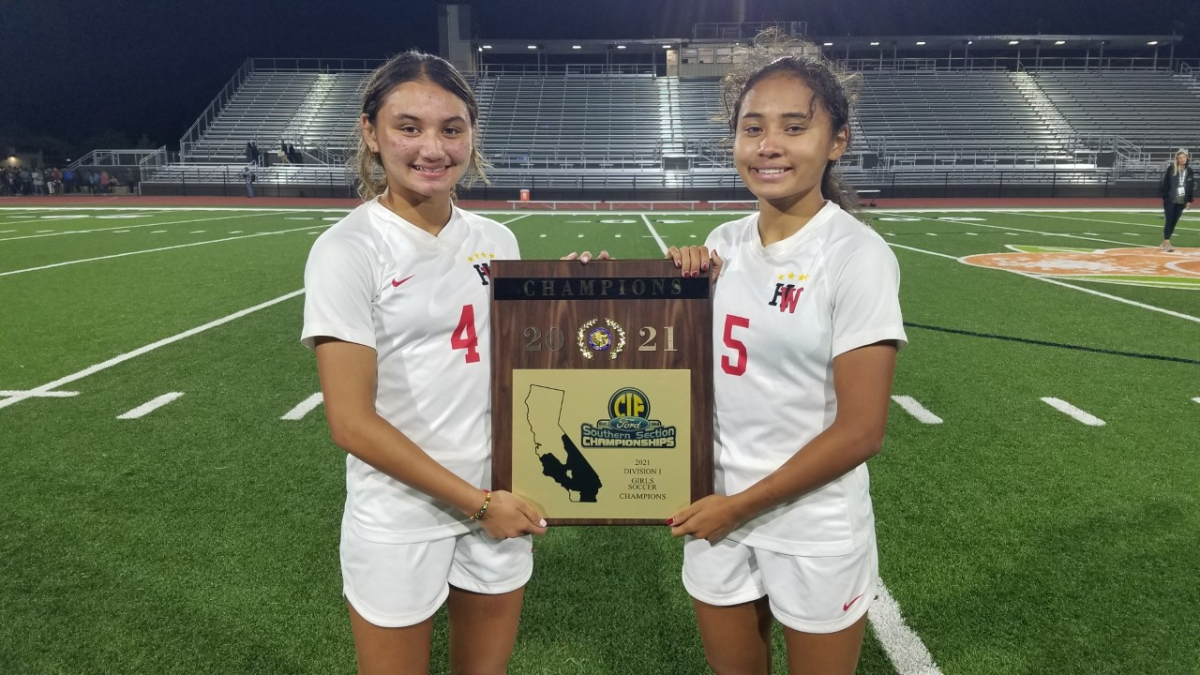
point(601, 388)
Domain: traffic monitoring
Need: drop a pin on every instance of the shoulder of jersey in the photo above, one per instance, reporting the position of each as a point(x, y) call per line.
point(730, 230)
point(354, 226)
point(488, 226)
point(845, 227)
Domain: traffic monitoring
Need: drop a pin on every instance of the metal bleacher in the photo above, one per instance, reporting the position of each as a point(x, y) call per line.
point(1158, 111)
point(632, 129)
point(956, 118)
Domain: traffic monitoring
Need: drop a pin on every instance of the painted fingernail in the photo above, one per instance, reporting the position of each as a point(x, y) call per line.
point(678, 264)
point(670, 521)
point(542, 522)
point(586, 258)
point(703, 267)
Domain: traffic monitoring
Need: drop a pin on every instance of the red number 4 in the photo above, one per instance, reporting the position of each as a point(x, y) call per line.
point(464, 336)
point(735, 367)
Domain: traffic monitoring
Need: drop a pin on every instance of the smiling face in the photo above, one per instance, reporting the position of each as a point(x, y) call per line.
point(423, 135)
point(783, 141)
point(1181, 158)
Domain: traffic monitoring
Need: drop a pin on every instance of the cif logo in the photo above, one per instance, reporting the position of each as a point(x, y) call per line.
point(630, 407)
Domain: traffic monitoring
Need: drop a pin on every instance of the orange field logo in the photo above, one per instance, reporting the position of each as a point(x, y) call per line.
point(1132, 266)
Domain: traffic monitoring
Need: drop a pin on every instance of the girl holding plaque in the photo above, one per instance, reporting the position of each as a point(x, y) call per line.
point(397, 310)
point(807, 326)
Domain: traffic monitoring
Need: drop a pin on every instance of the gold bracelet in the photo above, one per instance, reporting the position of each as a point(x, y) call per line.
point(487, 501)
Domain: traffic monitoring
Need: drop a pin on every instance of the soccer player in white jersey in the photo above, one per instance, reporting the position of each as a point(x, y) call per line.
point(806, 329)
point(397, 310)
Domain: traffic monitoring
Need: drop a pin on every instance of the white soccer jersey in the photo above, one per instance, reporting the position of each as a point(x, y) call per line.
point(781, 314)
point(423, 304)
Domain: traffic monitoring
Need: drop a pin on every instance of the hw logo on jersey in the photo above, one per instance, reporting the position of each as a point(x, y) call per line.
point(480, 262)
point(787, 292)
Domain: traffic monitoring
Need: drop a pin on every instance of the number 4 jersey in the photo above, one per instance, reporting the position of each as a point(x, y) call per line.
point(781, 314)
point(423, 304)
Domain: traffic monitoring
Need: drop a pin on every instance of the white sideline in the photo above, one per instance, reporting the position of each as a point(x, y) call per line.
point(1056, 282)
point(908, 654)
point(306, 406)
point(1070, 410)
point(150, 406)
point(156, 250)
point(132, 227)
point(912, 407)
point(91, 370)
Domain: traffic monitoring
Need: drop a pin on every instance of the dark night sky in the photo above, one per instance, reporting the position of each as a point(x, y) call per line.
point(71, 68)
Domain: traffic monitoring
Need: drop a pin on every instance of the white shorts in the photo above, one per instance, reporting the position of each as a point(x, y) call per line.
point(396, 585)
point(807, 594)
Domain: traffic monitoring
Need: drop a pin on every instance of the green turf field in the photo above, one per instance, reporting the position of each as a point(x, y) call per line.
point(202, 537)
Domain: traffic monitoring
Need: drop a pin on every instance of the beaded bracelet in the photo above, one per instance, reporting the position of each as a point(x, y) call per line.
point(487, 501)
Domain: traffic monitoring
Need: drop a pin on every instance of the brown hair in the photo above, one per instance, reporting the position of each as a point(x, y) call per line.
point(409, 67)
point(834, 89)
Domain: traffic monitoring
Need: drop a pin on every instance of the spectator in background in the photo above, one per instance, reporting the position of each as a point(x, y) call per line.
point(1177, 191)
point(39, 182)
point(249, 177)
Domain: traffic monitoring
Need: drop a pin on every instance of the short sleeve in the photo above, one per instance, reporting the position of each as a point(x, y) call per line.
point(339, 291)
point(866, 297)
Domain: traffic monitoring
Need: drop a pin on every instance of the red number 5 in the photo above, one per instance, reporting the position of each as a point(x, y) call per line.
point(734, 367)
point(464, 336)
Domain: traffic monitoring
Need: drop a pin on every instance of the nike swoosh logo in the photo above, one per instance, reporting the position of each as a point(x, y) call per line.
point(846, 607)
point(396, 282)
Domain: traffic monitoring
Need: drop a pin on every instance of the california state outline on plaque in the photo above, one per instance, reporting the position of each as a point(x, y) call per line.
point(560, 457)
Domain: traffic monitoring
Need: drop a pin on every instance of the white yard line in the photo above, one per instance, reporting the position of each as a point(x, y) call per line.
point(154, 250)
point(912, 407)
point(908, 653)
point(150, 406)
point(921, 250)
point(43, 394)
point(133, 227)
point(1098, 220)
point(1056, 282)
point(306, 406)
point(1070, 410)
point(654, 233)
point(116, 360)
point(973, 223)
point(523, 215)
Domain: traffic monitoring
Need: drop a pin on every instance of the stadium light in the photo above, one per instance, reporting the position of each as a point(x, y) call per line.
point(828, 44)
point(666, 46)
point(1060, 42)
point(874, 44)
point(1014, 42)
point(1152, 42)
point(487, 47)
point(620, 46)
point(970, 42)
point(576, 47)
point(921, 42)
point(532, 47)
